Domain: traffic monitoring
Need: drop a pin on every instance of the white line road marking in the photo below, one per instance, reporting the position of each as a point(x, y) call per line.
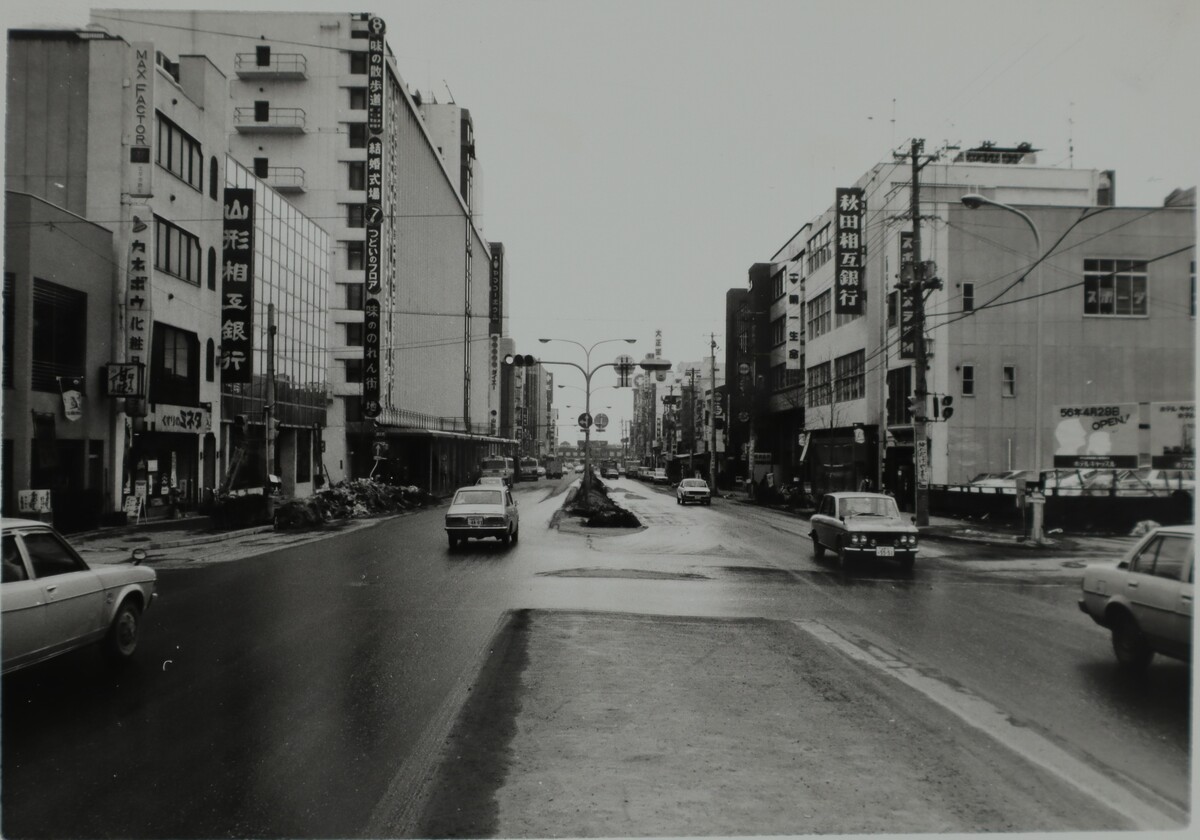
point(1031, 746)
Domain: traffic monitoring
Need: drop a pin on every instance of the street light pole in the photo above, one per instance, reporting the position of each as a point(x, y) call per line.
point(974, 201)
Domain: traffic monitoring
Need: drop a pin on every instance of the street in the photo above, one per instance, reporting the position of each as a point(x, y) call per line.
point(702, 675)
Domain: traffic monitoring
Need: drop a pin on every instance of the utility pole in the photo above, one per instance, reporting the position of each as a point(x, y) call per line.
point(692, 411)
point(712, 428)
point(920, 441)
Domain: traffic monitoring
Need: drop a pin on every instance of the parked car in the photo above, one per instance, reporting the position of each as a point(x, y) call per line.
point(693, 490)
point(541, 472)
point(860, 525)
point(1145, 598)
point(478, 512)
point(498, 466)
point(660, 477)
point(579, 469)
point(610, 472)
point(492, 480)
point(53, 602)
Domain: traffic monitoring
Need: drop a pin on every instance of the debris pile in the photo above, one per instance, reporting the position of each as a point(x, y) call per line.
point(347, 500)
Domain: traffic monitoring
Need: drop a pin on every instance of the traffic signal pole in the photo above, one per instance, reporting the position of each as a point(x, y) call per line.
point(920, 427)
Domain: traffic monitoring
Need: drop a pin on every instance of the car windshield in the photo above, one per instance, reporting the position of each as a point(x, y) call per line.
point(482, 496)
point(495, 464)
point(693, 482)
point(869, 506)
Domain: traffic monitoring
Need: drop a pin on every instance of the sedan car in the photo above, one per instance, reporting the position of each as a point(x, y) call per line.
point(609, 472)
point(693, 490)
point(1145, 599)
point(579, 469)
point(859, 525)
point(492, 481)
point(660, 477)
point(53, 602)
point(482, 511)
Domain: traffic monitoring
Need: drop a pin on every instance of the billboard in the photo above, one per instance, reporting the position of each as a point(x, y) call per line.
point(1096, 436)
point(1173, 435)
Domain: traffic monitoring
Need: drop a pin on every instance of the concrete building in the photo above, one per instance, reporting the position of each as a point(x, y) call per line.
point(1113, 295)
point(317, 106)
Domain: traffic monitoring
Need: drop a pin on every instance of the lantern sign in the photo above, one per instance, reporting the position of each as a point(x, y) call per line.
point(849, 288)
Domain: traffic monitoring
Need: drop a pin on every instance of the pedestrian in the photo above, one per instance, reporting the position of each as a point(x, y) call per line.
point(865, 485)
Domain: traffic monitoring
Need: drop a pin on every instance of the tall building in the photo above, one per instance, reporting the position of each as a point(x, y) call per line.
point(317, 107)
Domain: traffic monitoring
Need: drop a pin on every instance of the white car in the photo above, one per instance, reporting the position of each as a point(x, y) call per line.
point(1145, 599)
point(492, 480)
point(541, 472)
point(482, 511)
point(579, 469)
point(53, 602)
point(693, 490)
point(660, 477)
point(855, 526)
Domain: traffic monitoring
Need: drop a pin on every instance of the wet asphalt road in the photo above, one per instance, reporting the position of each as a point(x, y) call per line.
point(304, 693)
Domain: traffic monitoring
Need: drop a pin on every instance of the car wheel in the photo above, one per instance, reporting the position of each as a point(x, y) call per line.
point(843, 558)
point(1129, 644)
point(507, 538)
point(818, 549)
point(453, 541)
point(516, 533)
point(125, 629)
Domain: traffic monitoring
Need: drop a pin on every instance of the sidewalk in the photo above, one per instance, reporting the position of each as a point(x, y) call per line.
point(115, 545)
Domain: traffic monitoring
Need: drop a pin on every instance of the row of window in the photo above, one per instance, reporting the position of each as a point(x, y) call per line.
point(1008, 380)
point(841, 381)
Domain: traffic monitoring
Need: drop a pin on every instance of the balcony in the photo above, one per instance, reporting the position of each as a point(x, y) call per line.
point(286, 179)
point(283, 66)
point(277, 121)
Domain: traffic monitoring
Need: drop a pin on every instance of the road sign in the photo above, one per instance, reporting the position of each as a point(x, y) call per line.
point(601, 421)
point(585, 420)
point(743, 368)
point(718, 410)
point(379, 449)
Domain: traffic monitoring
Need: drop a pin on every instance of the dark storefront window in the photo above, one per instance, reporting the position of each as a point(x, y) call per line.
point(59, 334)
point(175, 367)
point(10, 323)
point(304, 454)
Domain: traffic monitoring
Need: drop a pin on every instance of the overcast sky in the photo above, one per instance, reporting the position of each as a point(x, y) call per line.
point(639, 156)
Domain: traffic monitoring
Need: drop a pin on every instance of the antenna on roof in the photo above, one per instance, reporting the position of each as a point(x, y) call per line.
point(449, 91)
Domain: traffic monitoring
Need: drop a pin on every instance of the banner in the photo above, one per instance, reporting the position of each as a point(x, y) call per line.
point(72, 397)
point(237, 287)
point(1096, 436)
point(849, 289)
point(1173, 435)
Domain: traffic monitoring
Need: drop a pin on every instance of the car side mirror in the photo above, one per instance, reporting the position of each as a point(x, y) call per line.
point(137, 556)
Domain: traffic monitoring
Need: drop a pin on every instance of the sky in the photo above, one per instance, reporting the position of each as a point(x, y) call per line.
point(639, 155)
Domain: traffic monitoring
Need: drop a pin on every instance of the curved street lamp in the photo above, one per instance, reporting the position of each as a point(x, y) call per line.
point(649, 364)
point(974, 201)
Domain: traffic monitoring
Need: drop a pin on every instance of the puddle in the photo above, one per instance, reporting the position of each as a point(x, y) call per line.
point(632, 574)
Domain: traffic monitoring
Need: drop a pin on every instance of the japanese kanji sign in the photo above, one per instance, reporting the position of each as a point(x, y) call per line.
point(138, 317)
point(908, 304)
point(373, 218)
point(849, 275)
point(375, 74)
point(371, 407)
point(237, 287)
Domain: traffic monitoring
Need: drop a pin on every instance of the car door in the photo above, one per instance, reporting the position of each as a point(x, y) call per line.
point(72, 593)
point(1173, 566)
point(823, 521)
point(1152, 598)
point(22, 602)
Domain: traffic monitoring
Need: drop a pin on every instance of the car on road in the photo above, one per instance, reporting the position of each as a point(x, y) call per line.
point(579, 469)
point(54, 602)
point(610, 472)
point(492, 480)
point(478, 512)
point(693, 490)
point(659, 477)
point(541, 472)
point(1145, 599)
point(855, 526)
point(498, 466)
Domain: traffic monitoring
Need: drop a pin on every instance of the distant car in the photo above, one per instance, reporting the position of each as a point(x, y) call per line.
point(1145, 599)
point(541, 472)
point(693, 490)
point(482, 511)
point(53, 602)
point(631, 472)
point(610, 472)
point(660, 477)
point(859, 525)
point(492, 480)
point(579, 469)
point(496, 465)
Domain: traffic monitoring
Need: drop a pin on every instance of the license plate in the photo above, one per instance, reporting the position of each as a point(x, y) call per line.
point(474, 521)
point(885, 551)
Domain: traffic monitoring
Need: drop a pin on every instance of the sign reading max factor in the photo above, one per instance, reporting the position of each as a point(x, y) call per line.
point(237, 286)
point(373, 221)
point(849, 248)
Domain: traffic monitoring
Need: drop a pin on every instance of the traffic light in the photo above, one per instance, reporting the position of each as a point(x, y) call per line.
point(914, 402)
point(947, 407)
point(518, 360)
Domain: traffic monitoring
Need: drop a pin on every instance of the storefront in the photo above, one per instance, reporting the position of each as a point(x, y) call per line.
point(166, 459)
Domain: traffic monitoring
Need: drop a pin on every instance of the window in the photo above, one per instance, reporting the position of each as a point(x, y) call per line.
point(262, 111)
point(59, 334)
point(354, 255)
point(849, 370)
point(354, 335)
point(968, 380)
point(304, 454)
point(358, 63)
point(354, 216)
point(176, 251)
point(820, 319)
point(777, 284)
point(1193, 288)
point(174, 366)
point(820, 248)
point(354, 296)
point(968, 297)
point(14, 566)
point(210, 361)
point(893, 309)
point(50, 556)
point(358, 135)
point(10, 323)
point(213, 179)
point(818, 391)
point(1008, 381)
point(779, 330)
point(212, 269)
point(358, 175)
point(793, 298)
point(899, 386)
point(1173, 555)
point(179, 153)
point(354, 370)
point(1114, 287)
point(358, 99)
point(778, 377)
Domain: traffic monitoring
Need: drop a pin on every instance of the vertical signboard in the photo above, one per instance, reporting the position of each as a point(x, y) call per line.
point(138, 316)
point(496, 290)
point(373, 222)
point(237, 287)
point(849, 249)
point(138, 115)
point(908, 306)
point(1173, 435)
